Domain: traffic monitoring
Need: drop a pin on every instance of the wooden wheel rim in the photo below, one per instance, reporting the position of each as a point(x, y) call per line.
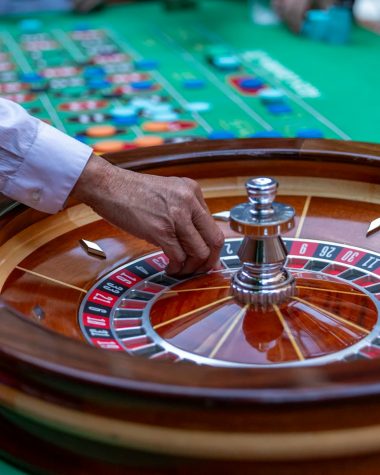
point(256, 385)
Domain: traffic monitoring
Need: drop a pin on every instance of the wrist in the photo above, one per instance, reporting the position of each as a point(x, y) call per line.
point(102, 187)
point(94, 181)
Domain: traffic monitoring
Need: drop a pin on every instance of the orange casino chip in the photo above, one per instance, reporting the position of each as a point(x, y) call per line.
point(98, 131)
point(148, 141)
point(156, 126)
point(109, 146)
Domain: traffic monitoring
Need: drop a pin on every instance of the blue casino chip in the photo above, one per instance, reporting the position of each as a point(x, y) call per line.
point(221, 135)
point(310, 134)
point(266, 134)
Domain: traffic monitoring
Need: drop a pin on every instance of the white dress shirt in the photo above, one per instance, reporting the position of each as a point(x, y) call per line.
point(39, 165)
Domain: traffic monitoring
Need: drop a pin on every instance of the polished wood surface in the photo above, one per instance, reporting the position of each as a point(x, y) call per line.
point(78, 399)
point(199, 316)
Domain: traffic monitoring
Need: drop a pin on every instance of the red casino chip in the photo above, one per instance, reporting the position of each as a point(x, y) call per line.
point(60, 72)
point(12, 87)
point(127, 78)
point(178, 125)
point(76, 106)
point(40, 45)
point(6, 66)
point(236, 83)
point(87, 35)
point(20, 98)
point(127, 89)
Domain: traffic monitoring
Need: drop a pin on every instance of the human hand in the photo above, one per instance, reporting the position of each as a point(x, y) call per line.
point(166, 211)
point(85, 6)
point(292, 12)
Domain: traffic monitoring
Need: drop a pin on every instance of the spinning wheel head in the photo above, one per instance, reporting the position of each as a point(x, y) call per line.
point(262, 217)
point(263, 279)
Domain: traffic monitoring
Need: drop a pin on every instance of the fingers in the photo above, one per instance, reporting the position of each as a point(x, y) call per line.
point(201, 238)
point(292, 12)
point(196, 243)
point(198, 194)
point(197, 251)
point(209, 230)
point(212, 236)
point(188, 252)
point(85, 6)
point(176, 255)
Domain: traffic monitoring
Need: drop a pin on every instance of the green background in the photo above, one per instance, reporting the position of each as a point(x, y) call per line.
point(344, 79)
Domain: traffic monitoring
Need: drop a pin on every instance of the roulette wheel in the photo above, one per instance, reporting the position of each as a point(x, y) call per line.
point(108, 365)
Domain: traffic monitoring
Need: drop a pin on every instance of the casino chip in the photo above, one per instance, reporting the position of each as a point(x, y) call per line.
point(109, 146)
point(98, 117)
point(76, 106)
point(221, 135)
point(98, 131)
point(279, 109)
point(148, 141)
point(98, 83)
point(82, 26)
point(156, 127)
point(8, 76)
point(91, 72)
point(140, 103)
point(165, 117)
point(198, 106)
point(124, 113)
point(68, 84)
point(266, 134)
point(227, 63)
point(271, 95)
point(126, 121)
point(250, 83)
point(6, 66)
point(12, 87)
point(310, 134)
point(146, 64)
point(142, 85)
point(30, 25)
point(154, 107)
point(31, 77)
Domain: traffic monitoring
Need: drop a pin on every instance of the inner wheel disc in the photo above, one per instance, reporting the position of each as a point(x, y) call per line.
point(140, 310)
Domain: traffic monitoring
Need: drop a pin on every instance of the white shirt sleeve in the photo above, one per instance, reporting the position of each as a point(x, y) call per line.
point(39, 165)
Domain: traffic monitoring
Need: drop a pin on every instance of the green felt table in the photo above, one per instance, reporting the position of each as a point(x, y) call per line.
point(330, 88)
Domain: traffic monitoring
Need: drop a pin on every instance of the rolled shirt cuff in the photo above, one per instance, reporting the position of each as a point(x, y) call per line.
point(50, 170)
